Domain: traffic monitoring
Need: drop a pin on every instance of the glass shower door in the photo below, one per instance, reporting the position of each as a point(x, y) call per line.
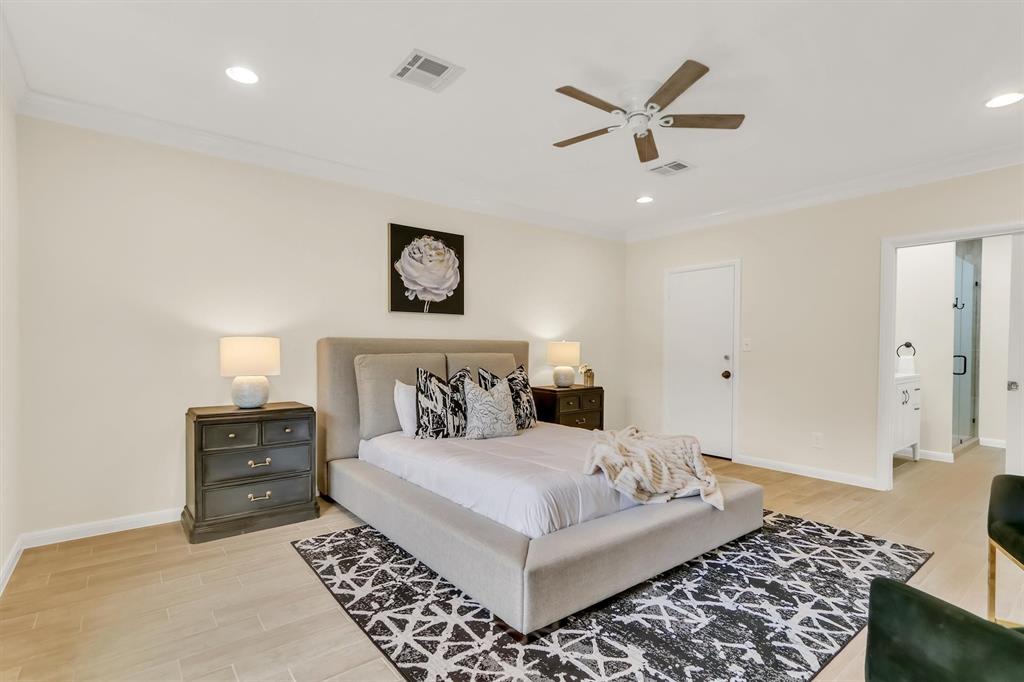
point(966, 332)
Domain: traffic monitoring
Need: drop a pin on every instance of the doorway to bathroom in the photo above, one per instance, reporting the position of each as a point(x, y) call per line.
point(953, 312)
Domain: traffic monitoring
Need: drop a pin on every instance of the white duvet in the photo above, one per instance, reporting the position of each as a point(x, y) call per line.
point(533, 482)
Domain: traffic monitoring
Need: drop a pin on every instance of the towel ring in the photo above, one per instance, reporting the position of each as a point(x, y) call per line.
point(906, 344)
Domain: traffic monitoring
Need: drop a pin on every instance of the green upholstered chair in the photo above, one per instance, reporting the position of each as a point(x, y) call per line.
point(1005, 531)
point(912, 636)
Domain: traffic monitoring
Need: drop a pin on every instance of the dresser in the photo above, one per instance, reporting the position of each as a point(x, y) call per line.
point(907, 419)
point(248, 469)
point(577, 405)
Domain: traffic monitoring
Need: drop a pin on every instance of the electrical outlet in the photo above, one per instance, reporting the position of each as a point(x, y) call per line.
point(817, 439)
point(747, 344)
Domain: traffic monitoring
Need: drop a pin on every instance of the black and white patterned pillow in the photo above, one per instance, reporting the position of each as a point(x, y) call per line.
point(522, 394)
point(440, 404)
point(489, 413)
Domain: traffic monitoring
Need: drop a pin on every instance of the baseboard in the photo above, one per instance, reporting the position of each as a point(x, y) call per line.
point(812, 472)
point(81, 530)
point(935, 456)
point(993, 442)
point(12, 560)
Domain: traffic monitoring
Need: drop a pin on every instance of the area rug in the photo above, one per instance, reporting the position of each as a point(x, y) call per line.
point(777, 604)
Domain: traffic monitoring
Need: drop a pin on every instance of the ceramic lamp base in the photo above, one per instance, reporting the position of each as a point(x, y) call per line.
point(249, 392)
point(564, 376)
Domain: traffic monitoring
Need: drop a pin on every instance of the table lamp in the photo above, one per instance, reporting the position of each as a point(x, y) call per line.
point(562, 354)
point(250, 359)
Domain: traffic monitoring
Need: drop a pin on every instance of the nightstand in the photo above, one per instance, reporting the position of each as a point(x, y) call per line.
point(248, 469)
point(578, 405)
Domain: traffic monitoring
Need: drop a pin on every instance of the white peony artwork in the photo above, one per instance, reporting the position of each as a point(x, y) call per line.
point(427, 271)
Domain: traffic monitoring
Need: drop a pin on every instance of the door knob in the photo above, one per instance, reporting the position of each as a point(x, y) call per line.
point(726, 374)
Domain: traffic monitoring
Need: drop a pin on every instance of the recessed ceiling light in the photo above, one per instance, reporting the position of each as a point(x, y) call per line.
point(242, 75)
point(1004, 100)
point(644, 199)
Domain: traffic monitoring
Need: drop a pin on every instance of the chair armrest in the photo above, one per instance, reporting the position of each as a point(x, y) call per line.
point(914, 636)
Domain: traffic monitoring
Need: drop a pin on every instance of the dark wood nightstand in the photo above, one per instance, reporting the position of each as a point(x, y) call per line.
point(577, 405)
point(248, 469)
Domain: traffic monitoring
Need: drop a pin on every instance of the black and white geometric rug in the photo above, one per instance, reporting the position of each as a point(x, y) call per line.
point(777, 604)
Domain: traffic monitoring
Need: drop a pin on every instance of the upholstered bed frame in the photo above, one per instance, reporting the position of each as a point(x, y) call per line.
point(527, 583)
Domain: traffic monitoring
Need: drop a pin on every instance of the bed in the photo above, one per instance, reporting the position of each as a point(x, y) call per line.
point(509, 521)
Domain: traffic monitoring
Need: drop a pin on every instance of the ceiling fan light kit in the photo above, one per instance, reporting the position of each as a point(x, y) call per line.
point(640, 112)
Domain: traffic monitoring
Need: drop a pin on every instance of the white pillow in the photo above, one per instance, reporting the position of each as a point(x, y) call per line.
point(405, 406)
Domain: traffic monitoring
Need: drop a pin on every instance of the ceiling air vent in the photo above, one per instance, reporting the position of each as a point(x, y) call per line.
point(427, 71)
point(670, 168)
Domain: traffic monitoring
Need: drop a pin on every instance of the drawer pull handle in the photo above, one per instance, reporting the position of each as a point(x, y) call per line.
point(253, 498)
point(231, 435)
point(287, 429)
point(264, 463)
point(581, 420)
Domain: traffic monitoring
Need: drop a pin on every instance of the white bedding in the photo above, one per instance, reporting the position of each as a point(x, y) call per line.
point(533, 482)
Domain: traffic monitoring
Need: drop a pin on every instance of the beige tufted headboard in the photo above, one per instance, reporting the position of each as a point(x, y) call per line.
point(336, 395)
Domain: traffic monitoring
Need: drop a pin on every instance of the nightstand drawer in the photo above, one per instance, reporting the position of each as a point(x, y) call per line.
point(591, 400)
point(255, 496)
point(231, 436)
point(584, 420)
point(228, 466)
point(568, 403)
point(285, 431)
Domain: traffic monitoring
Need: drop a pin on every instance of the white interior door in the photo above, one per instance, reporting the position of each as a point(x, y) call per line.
point(1015, 364)
point(700, 320)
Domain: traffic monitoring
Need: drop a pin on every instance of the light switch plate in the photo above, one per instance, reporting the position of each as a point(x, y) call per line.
point(747, 344)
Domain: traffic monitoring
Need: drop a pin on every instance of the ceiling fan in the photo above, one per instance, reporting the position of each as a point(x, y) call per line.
point(641, 113)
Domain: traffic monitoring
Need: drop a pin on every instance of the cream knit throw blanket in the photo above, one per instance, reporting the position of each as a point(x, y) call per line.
point(653, 468)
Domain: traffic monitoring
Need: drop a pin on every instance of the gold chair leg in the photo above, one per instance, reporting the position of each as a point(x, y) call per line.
point(992, 547)
point(991, 581)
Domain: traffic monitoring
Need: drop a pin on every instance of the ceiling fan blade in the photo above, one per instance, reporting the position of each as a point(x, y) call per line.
point(582, 138)
point(587, 98)
point(685, 76)
point(645, 147)
point(723, 121)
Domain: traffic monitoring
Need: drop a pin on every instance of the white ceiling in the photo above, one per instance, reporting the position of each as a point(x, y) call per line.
point(839, 97)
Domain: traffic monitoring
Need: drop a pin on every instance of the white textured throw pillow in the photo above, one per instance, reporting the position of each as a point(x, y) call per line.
point(489, 414)
point(405, 406)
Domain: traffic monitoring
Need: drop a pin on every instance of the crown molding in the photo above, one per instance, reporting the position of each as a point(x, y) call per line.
point(922, 174)
point(111, 121)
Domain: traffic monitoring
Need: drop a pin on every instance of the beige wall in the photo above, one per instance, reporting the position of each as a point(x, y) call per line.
point(996, 259)
point(810, 306)
point(136, 258)
point(924, 316)
point(10, 488)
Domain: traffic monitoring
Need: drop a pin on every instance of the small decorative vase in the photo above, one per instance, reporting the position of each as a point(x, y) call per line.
point(588, 377)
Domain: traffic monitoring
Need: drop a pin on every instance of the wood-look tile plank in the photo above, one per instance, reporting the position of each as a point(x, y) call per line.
point(271, 650)
point(225, 674)
point(334, 662)
point(377, 670)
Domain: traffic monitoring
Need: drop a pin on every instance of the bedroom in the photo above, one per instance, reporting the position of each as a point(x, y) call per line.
point(152, 205)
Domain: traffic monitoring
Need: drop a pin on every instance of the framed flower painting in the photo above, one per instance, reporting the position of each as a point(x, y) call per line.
point(427, 270)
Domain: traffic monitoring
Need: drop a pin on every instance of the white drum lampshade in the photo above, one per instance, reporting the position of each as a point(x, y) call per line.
point(250, 360)
point(564, 355)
